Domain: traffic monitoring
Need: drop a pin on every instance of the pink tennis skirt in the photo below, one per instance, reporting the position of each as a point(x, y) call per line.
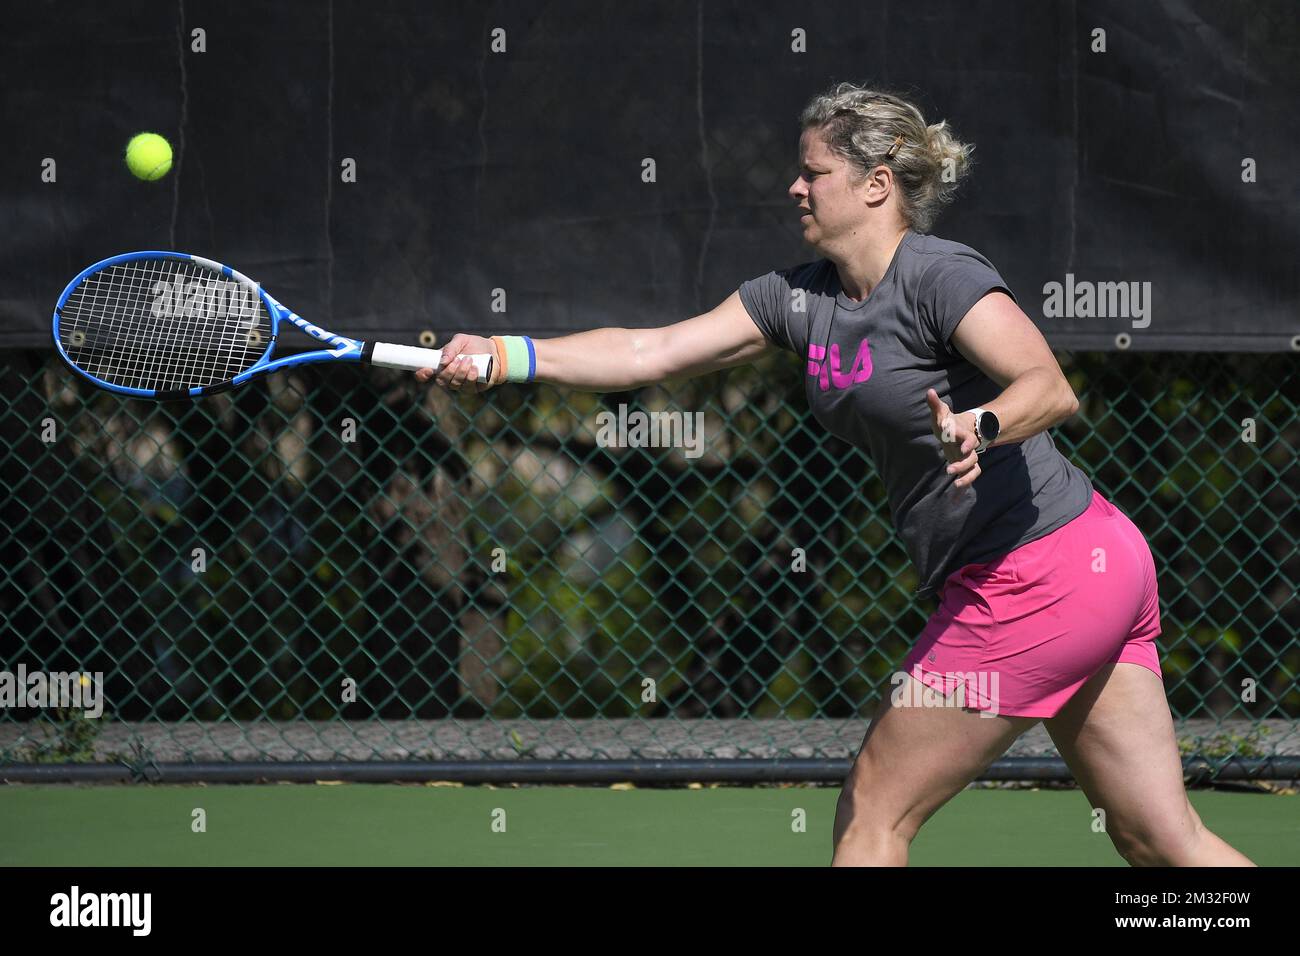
point(1021, 633)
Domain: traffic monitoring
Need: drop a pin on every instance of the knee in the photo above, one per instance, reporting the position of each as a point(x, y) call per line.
point(1170, 844)
point(864, 811)
point(864, 837)
point(1137, 851)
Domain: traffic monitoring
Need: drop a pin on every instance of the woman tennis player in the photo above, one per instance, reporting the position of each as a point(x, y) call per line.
point(918, 353)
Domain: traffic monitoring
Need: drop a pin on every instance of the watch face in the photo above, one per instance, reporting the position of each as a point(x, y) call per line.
point(989, 426)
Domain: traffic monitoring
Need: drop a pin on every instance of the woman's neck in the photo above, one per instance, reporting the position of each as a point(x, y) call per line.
point(862, 272)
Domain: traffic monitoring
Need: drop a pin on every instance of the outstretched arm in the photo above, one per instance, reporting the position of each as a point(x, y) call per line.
point(613, 359)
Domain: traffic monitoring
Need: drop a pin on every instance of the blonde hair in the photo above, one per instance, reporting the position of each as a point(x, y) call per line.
point(871, 128)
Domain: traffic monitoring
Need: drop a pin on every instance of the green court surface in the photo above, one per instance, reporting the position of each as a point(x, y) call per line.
point(393, 825)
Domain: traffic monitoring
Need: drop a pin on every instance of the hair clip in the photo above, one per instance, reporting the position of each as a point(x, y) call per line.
point(898, 142)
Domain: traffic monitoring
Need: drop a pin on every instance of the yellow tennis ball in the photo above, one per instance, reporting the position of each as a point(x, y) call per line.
point(148, 156)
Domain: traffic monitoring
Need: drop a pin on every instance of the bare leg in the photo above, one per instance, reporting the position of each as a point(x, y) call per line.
point(1118, 738)
point(912, 761)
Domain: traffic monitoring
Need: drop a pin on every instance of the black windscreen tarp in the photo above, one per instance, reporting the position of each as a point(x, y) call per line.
point(1115, 174)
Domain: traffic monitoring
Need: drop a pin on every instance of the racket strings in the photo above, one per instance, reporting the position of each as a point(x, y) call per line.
point(163, 324)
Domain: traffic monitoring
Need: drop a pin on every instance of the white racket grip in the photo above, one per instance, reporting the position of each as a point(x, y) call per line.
point(412, 358)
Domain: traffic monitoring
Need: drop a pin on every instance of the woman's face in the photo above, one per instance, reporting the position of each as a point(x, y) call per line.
point(833, 207)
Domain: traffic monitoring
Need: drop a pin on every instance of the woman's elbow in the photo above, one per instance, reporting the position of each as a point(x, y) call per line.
point(646, 359)
point(1069, 401)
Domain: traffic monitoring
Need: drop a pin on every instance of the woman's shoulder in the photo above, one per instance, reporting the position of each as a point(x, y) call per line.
point(933, 261)
point(945, 278)
point(781, 315)
point(811, 275)
point(927, 250)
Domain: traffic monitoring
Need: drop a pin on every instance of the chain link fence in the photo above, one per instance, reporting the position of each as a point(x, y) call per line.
point(344, 567)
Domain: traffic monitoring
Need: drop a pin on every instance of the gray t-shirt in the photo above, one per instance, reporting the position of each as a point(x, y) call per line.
point(869, 364)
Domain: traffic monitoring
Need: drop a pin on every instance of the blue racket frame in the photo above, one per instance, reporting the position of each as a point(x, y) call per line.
point(343, 348)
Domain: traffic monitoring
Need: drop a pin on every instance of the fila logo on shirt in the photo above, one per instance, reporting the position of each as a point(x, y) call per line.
point(828, 370)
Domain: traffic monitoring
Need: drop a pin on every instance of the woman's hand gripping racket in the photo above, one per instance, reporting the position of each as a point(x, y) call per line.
point(165, 325)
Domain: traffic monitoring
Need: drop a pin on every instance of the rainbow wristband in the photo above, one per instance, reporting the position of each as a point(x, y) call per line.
point(520, 356)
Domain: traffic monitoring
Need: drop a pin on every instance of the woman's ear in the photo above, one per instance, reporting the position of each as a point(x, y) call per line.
point(878, 185)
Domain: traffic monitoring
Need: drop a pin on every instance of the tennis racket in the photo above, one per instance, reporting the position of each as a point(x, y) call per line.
point(166, 325)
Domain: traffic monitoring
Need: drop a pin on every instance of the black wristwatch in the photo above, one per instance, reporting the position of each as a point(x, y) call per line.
point(986, 428)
